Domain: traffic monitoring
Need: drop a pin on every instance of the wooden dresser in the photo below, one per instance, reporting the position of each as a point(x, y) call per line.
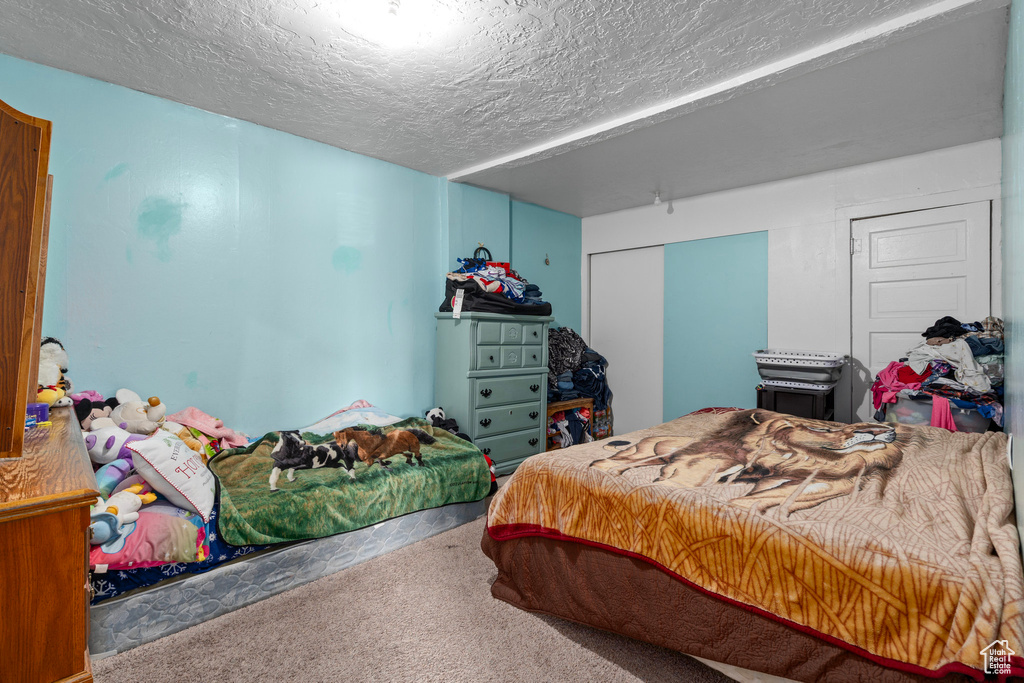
point(492, 378)
point(44, 555)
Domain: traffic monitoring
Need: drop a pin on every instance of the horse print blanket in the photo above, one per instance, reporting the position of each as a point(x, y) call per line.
point(295, 485)
point(896, 542)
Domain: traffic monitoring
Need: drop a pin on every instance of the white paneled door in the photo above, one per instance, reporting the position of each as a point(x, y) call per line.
point(909, 270)
point(627, 313)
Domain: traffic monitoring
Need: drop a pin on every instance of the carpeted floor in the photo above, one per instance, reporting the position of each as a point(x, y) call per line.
point(422, 613)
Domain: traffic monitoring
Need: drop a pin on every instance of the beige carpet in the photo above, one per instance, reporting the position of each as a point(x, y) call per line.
point(422, 613)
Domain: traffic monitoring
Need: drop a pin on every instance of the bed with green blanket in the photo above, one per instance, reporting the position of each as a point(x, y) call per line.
point(323, 501)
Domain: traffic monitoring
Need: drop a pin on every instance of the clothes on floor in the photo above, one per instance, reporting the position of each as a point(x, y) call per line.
point(959, 355)
point(565, 349)
point(942, 416)
point(944, 327)
point(888, 384)
point(984, 346)
point(959, 365)
point(576, 370)
point(569, 427)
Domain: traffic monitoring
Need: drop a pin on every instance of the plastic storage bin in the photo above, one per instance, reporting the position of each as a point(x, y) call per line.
point(799, 366)
point(918, 411)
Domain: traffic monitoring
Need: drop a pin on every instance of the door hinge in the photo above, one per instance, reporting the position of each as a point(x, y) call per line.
point(855, 246)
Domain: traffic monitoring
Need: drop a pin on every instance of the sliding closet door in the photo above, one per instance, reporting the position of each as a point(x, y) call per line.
point(716, 316)
point(626, 307)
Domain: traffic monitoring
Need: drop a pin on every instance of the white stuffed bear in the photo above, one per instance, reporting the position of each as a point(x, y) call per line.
point(138, 416)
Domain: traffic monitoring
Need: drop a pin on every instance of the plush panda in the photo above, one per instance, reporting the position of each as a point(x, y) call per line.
point(438, 420)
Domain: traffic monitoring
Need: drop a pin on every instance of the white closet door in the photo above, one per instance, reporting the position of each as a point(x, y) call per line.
point(909, 270)
point(627, 309)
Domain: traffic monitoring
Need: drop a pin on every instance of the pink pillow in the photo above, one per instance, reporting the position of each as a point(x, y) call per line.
point(162, 534)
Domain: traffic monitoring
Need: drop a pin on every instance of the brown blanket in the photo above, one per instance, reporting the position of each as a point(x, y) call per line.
point(896, 542)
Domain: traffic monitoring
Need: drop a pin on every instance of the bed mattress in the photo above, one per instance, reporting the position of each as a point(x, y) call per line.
point(894, 543)
point(629, 596)
point(144, 615)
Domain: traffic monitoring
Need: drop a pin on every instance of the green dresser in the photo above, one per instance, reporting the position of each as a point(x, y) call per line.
point(492, 378)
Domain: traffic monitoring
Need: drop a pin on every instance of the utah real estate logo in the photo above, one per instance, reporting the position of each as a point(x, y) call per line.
point(997, 657)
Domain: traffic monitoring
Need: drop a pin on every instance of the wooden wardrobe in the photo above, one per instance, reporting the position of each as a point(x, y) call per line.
point(46, 479)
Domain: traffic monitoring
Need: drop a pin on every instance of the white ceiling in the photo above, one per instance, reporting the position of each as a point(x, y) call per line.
point(585, 106)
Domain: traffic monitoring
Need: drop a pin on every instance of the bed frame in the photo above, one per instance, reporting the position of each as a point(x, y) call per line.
point(144, 615)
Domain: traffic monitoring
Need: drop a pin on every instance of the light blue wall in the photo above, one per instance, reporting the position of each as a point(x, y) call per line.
point(538, 232)
point(475, 216)
point(1013, 227)
point(262, 277)
point(716, 315)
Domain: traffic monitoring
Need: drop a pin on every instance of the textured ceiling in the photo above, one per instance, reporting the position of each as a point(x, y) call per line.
point(936, 89)
point(585, 106)
point(495, 77)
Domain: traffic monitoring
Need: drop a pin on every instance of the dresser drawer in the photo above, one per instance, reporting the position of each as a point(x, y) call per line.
point(508, 450)
point(501, 419)
point(488, 333)
point(533, 356)
point(533, 333)
point(488, 357)
point(494, 392)
point(511, 333)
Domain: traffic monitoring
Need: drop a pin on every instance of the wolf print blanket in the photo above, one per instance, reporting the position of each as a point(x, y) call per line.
point(896, 542)
point(289, 485)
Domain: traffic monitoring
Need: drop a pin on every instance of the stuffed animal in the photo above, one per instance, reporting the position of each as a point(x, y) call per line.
point(53, 363)
point(93, 414)
point(136, 416)
point(109, 444)
point(113, 473)
point(438, 420)
point(110, 517)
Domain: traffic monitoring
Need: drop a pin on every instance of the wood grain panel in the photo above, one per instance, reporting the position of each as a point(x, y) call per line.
point(54, 473)
point(42, 626)
point(37, 330)
point(24, 156)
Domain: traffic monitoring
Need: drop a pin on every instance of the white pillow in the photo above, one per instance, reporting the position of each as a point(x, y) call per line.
point(176, 471)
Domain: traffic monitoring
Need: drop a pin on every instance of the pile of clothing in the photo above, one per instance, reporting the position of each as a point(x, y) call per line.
point(493, 287)
point(958, 365)
point(499, 278)
point(568, 427)
point(576, 370)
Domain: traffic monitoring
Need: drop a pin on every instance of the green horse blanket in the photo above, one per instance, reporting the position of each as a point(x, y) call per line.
point(324, 500)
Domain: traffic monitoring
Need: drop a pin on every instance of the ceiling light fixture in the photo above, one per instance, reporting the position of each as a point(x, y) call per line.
point(398, 24)
point(657, 199)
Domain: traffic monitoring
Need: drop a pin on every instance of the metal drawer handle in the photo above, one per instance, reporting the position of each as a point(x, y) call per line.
point(535, 333)
point(491, 358)
point(485, 392)
point(534, 387)
point(484, 422)
point(535, 356)
point(486, 451)
point(533, 442)
point(533, 415)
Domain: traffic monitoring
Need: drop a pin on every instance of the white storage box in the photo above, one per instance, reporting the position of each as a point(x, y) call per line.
point(799, 366)
point(918, 411)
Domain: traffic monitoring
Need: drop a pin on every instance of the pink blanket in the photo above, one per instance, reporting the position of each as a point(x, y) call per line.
point(211, 426)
